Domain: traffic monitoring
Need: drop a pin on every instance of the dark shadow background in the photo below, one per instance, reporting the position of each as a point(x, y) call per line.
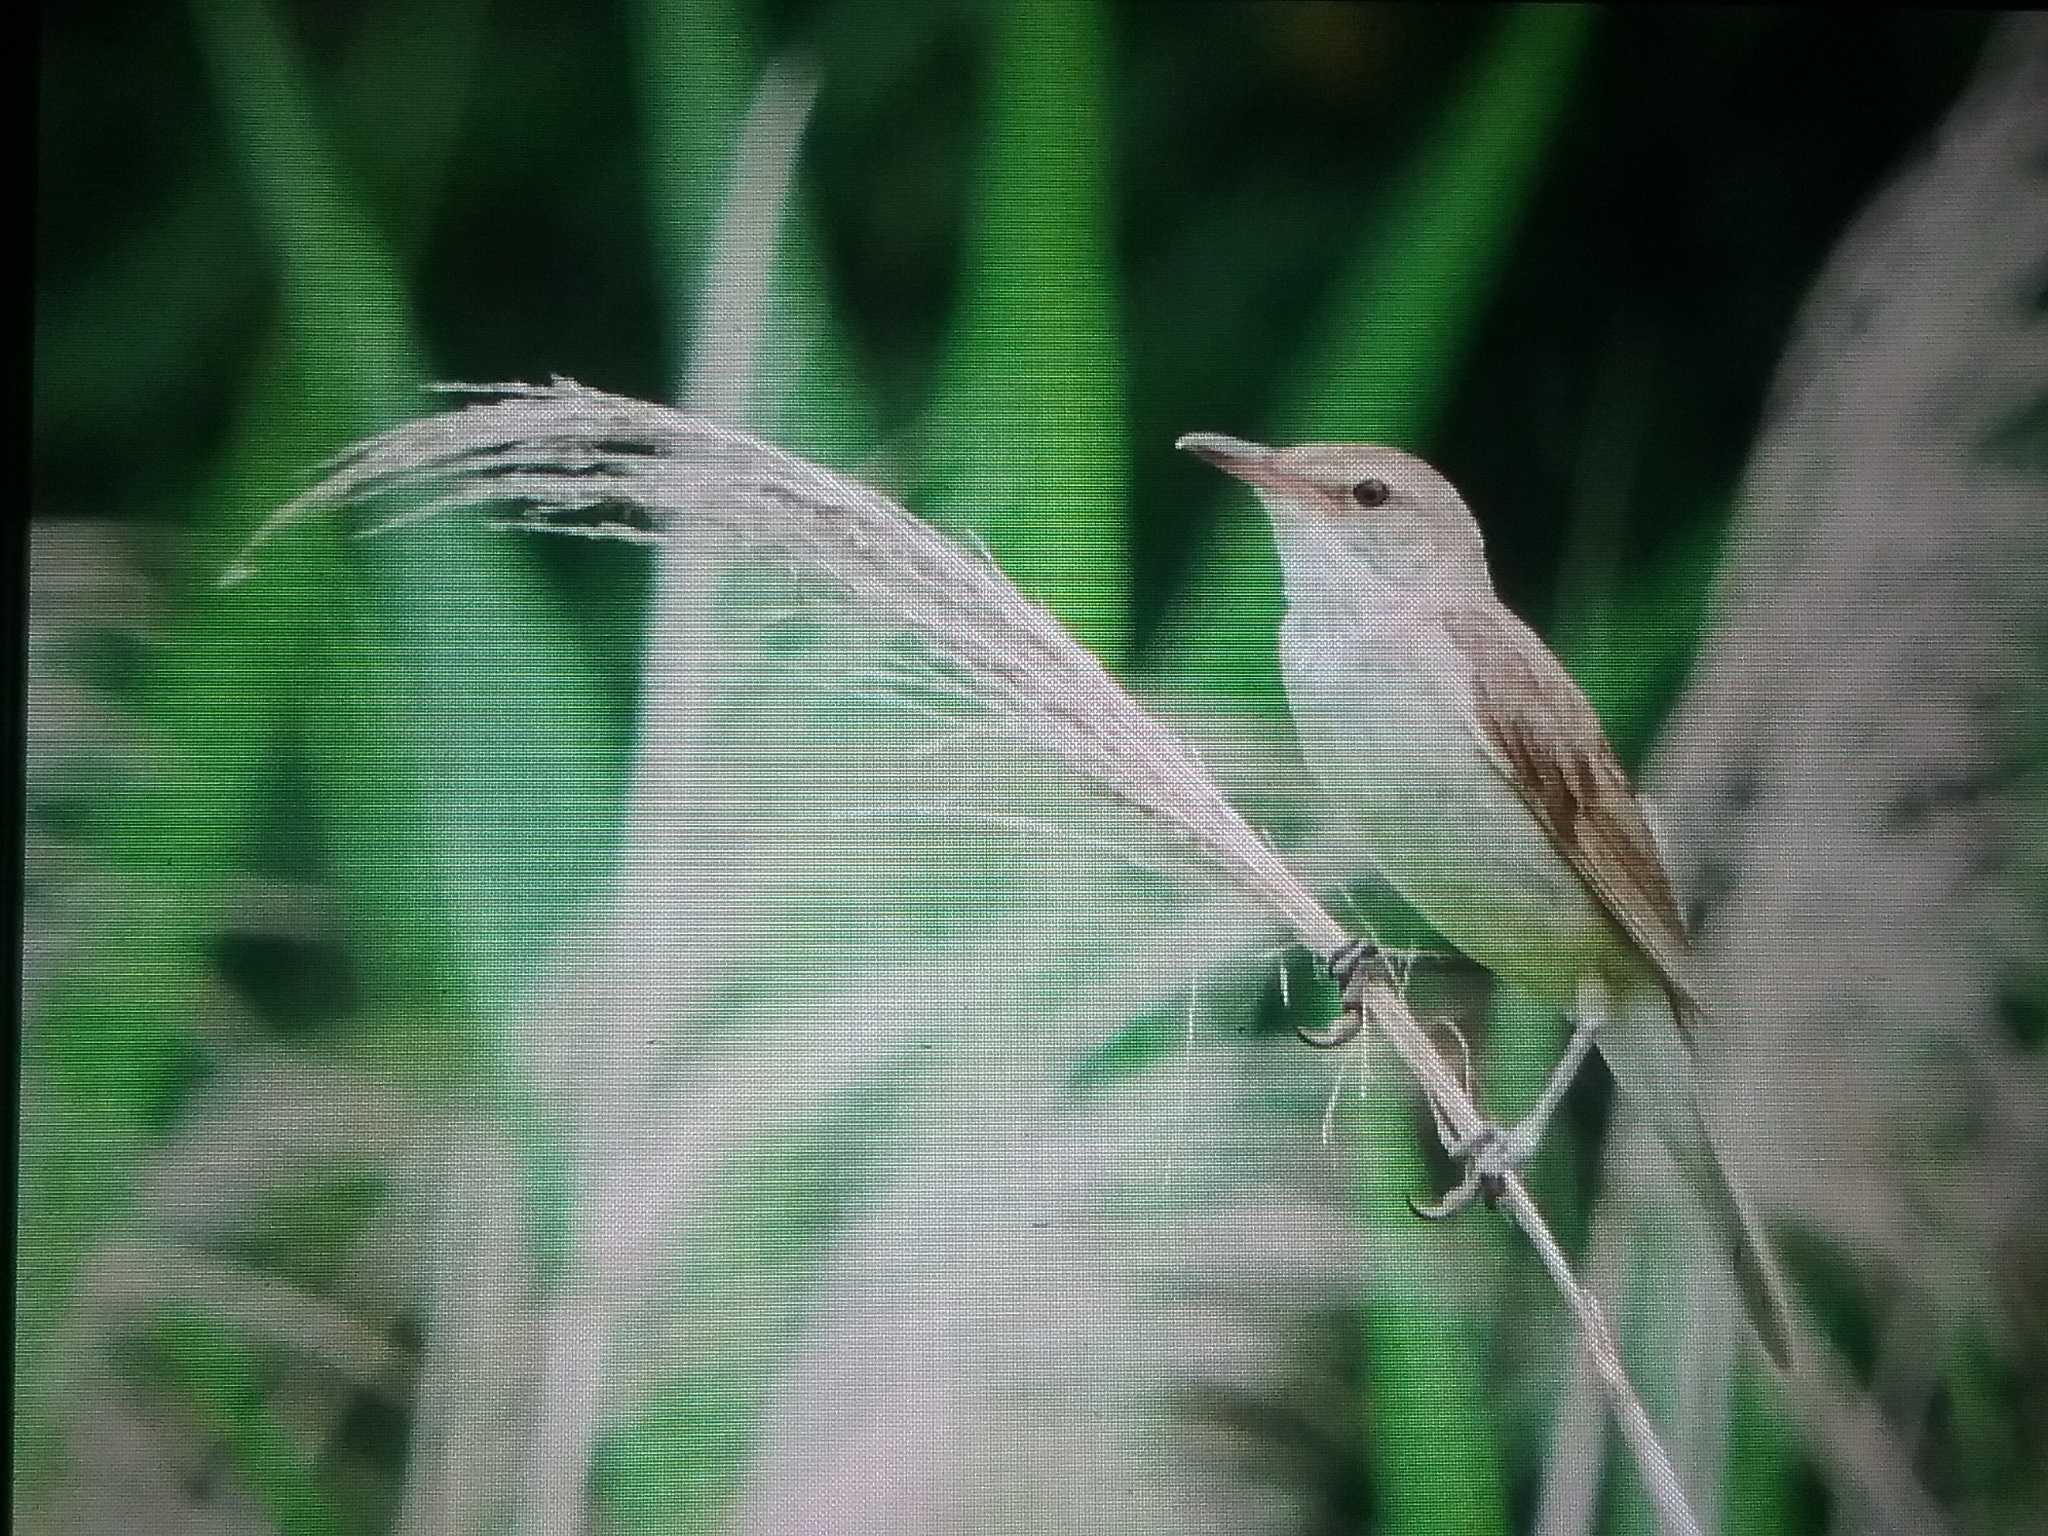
point(1708, 158)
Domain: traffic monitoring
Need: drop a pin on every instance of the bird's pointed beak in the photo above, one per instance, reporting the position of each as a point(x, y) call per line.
point(1249, 462)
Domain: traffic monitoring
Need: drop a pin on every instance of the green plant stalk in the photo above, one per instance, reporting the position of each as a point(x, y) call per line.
point(1432, 1445)
point(672, 1461)
point(749, 1277)
point(1625, 644)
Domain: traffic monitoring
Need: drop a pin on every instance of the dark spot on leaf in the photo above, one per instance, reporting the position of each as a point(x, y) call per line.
point(1908, 810)
point(1934, 793)
point(1711, 886)
point(108, 658)
point(409, 1333)
point(189, 1068)
point(373, 1430)
point(2023, 1014)
point(1739, 791)
point(68, 815)
point(2019, 441)
point(291, 984)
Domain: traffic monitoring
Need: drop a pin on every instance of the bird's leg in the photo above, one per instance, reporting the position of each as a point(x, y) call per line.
point(1346, 965)
point(1490, 1154)
point(1519, 1144)
point(1347, 960)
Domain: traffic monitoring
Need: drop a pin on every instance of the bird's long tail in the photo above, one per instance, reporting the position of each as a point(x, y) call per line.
point(1742, 1237)
point(1645, 1047)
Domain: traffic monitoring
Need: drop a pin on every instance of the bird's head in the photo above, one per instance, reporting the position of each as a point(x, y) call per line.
point(1345, 510)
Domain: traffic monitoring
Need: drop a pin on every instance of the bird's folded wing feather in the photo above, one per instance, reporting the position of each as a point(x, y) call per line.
point(1536, 728)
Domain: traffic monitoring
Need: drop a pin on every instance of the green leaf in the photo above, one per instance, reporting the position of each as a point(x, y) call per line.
point(1400, 321)
point(474, 708)
point(1028, 445)
point(212, 1366)
point(441, 718)
point(698, 72)
point(1768, 1478)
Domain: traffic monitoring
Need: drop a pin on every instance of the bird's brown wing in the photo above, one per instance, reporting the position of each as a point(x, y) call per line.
point(1536, 727)
point(1538, 730)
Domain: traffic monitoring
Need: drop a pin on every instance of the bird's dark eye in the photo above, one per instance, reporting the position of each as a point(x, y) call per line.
point(1370, 493)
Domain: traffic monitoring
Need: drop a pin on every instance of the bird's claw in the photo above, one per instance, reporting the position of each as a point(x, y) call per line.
point(1453, 1202)
point(1348, 961)
point(1341, 1030)
point(1489, 1154)
point(1346, 965)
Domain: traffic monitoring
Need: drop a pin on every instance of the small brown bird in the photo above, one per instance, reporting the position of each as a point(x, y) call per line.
point(1482, 783)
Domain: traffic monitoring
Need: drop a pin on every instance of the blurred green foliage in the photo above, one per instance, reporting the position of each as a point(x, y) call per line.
point(1031, 244)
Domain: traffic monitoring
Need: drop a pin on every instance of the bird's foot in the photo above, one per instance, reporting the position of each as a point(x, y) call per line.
point(1489, 1154)
point(1346, 965)
point(1348, 960)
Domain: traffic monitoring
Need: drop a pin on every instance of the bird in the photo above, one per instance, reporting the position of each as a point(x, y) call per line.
point(1485, 790)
